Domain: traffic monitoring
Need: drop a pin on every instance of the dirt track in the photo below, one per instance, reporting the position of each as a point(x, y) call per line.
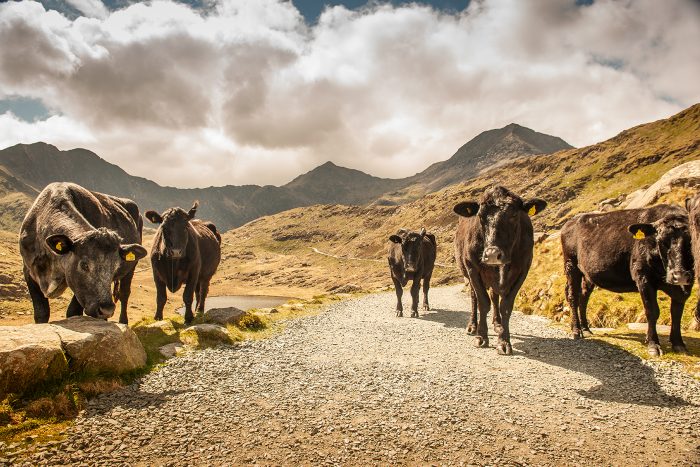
point(356, 385)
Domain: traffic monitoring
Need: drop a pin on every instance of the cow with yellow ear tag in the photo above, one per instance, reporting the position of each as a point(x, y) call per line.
point(633, 250)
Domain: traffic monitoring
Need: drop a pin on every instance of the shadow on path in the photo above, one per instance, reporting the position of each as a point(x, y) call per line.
point(623, 377)
point(130, 397)
point(449, 318)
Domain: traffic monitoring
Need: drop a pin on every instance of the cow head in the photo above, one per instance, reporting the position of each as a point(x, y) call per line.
point(671, 236)
point(411, 248)
point(90, 262)
point(174, 229)
point(500, 213)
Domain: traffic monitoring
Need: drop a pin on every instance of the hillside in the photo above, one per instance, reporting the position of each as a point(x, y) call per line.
point(33, 166)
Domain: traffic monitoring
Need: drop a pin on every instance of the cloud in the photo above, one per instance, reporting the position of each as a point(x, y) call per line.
point(247, 92)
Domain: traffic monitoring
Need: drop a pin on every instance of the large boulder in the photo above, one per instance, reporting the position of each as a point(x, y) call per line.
point(29, 355)
point(223, 316)
point(685, 175)
point(95, 346)
point(205, 335)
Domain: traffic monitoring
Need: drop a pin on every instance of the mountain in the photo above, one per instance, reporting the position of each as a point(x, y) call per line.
point(33, 166)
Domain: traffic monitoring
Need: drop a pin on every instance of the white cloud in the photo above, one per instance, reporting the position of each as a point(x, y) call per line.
point(246, 92)
point(90, 8)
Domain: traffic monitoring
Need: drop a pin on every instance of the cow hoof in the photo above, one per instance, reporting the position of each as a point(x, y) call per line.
point(654, 350)
point(471, 329)
point(158, 317)
point(481, 342)
point(426, 307)
point(586, 333)
point(576, 334)
point(680, 348)
point(399, 313)
point(504, 348)
point(414, 314)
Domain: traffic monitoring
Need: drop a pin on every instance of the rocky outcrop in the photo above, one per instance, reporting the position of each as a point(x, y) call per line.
point(224, 316)
point(685, 175)
point(36, 354)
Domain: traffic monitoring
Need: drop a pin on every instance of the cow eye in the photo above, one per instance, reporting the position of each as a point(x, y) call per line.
point(84, 266)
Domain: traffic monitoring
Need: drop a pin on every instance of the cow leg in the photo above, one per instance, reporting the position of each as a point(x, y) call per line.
point(678, 299)
point(399, 294)
point(415, 293)
point(202, 297)
point(695, 325)
point(586, 291)
point(483, 302)
point(573, 295)
point(426, 288)
point(188, 297)
point(124, 294)
point(40, 303)
point(74, 308)
point(198, 295)
point(495, 302)
point(505, 309)
point(651, 309)
point(161, 298)
point(471, 329)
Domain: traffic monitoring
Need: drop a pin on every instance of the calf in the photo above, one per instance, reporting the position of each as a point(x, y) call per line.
point(412, 257)
point(83, 240)
point(633, 250)
point(693, 207)
point(185, 251)
point(493, 248)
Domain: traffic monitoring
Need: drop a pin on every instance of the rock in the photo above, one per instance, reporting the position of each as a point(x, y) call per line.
point(97, 346)
point(685, 175)
point(223, 316)
point(205, 335)
point(347, 288)
point(159, 327)
point(540, 237)
point(171, 350)
point(29, 356)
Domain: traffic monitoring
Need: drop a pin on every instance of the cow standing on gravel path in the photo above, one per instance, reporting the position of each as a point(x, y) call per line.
point(73, 237)
point(632, 250)
point(185, 251)
point(493, 248)
point(412, 257)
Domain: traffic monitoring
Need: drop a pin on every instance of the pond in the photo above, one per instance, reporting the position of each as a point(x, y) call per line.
point(243, 302)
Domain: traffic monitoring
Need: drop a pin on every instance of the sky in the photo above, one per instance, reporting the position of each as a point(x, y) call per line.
point(216, 92)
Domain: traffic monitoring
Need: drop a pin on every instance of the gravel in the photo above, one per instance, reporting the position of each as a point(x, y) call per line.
point(356, 385)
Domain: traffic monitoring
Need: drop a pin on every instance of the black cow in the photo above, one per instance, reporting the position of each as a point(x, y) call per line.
point(693, 207)
point(493, 248)
point(412, 257)
point(633, 250)
point(185, 251)
point(73, 237)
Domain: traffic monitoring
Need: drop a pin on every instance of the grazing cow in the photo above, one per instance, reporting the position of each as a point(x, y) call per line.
point(412, 257)
point(185, 251)
point(493, 248)
point(633, 250)
point(73, 237)
point(693, 207)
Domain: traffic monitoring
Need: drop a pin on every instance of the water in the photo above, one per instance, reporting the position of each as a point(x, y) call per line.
point(243, 302)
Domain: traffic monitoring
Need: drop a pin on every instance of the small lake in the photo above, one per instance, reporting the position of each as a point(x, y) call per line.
point(243, 302)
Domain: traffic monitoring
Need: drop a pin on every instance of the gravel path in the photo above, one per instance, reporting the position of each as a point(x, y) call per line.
point(356, 385)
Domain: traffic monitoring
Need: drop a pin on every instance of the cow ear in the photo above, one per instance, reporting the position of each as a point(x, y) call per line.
point(534, 206)
point(193, 210)
point(153, 217)
point(642, 231)
point(466, 209)
point(132, 252)
point(395, 239)
point(59, 244)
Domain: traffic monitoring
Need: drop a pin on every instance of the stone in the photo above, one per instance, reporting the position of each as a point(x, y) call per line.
point(97, 346)
point(29, 356)
point(205, 335)
point(159, 327)
point(171, 350)
point(223, 316)
point(685, 175)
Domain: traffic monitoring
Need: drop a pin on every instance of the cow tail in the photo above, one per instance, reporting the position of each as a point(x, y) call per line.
point(115, 293)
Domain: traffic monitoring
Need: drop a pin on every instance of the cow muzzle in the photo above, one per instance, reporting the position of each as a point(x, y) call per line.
point(105, 310)
point(175, 253)
point(679, 277)
point(493, 256)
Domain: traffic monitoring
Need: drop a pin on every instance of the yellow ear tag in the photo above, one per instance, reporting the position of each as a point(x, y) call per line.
point(532, 211)
point(639, 235)
point(130, 257)
point(59, 246)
